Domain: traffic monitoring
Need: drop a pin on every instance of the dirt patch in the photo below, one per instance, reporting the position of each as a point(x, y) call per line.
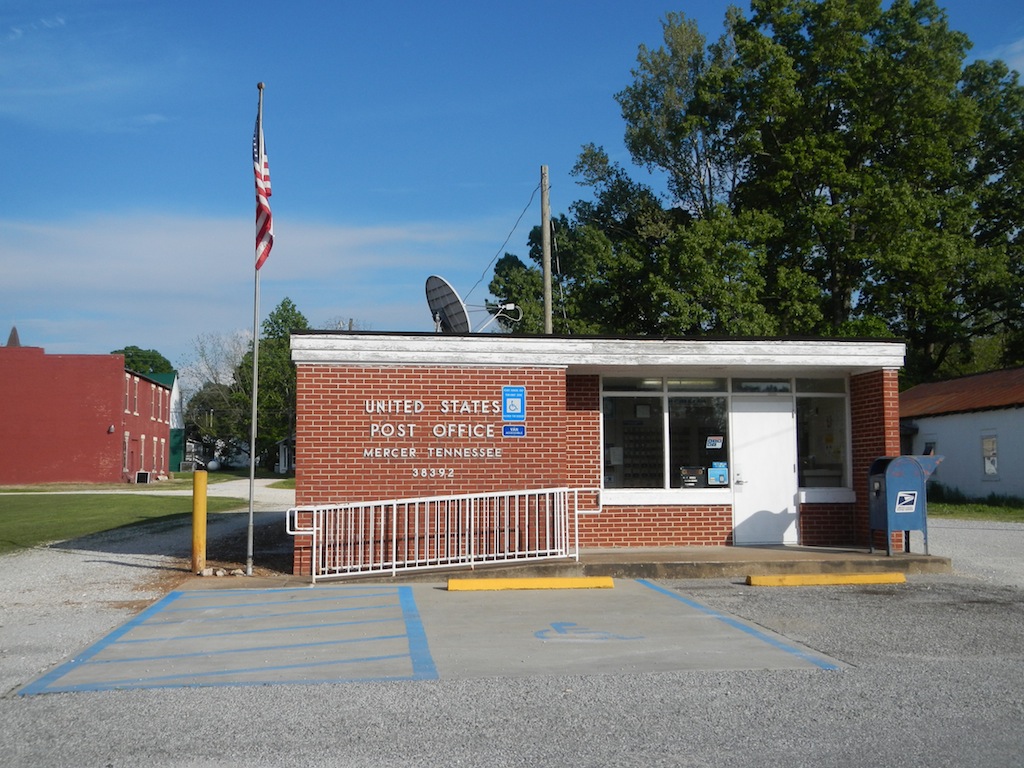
point(272, 551)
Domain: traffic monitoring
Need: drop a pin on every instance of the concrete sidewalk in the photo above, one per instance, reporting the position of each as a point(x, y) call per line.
point(640, 563)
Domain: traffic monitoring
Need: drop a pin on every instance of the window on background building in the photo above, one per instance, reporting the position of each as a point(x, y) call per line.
point(127, 392)
point(665, 433)
point(990, 456)
point(822, 433)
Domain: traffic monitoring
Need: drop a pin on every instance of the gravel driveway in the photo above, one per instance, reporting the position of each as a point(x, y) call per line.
point(935, 677)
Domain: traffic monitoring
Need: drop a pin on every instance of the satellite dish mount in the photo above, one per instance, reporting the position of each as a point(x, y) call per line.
point(446, 307)
point(449, 311)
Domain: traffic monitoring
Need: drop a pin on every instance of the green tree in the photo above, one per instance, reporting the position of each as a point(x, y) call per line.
point(275, 413)
point(676, 119)
point(144, 360)
point(214, 420)
point(860, 141)
point(624, 264)
point(831, 167)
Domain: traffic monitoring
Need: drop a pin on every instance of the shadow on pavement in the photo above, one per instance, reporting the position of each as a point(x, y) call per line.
point(227, 542)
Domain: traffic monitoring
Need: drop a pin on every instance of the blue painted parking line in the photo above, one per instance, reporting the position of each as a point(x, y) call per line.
point(256, 637)
point(756, 633)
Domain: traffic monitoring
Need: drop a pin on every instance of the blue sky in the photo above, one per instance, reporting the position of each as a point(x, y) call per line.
point(405, 139)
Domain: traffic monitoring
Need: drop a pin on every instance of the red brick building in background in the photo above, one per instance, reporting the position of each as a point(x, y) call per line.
point(79, 418)
point(686, 441)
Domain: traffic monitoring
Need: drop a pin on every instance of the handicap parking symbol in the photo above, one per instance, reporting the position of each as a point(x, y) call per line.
point(570, 631)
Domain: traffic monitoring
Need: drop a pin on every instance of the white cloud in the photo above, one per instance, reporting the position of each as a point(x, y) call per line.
point(1012, 54)
point(93, 284)
point(90, 66)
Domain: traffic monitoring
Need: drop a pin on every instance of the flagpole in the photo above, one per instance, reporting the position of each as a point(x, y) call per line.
point(252, 427)
point(255, 362)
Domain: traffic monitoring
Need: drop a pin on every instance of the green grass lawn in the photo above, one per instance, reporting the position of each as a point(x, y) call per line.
point(32, 520)
point(976, 511)
point(37, 518)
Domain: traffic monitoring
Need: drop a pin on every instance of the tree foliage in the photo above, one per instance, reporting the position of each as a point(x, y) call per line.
point(144, 360)
point(275, 412)
point(219, 410)
point(213, 421)
point(829, 167)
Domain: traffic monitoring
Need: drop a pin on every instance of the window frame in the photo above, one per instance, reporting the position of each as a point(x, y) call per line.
point(723, 387)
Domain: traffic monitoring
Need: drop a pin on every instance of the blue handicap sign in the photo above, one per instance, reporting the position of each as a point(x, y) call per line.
point(513, 403)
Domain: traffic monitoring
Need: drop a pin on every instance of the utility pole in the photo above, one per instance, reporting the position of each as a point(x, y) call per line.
point(545, 240)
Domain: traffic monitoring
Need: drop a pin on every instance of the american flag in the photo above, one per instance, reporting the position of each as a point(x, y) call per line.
point(261, 167)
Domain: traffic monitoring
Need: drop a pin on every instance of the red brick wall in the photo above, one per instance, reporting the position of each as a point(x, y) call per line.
point(875, 430)
point(55, 415)
point(661, 526)
point(827, 525)
point(583, 452)
point(143, 419)
point(335, 432)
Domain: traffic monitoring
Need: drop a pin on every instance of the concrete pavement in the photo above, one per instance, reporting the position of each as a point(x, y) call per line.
point(278, 629)
point(393, 632)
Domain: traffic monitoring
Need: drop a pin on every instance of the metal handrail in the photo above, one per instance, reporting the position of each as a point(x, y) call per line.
point(439, 531)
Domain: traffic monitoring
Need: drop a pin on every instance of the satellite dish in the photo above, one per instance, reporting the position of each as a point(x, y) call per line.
point(446, 307)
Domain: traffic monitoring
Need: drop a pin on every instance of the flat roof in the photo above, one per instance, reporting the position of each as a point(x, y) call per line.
point(594, 354)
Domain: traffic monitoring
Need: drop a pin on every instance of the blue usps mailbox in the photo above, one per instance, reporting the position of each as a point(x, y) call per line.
point(897, 500)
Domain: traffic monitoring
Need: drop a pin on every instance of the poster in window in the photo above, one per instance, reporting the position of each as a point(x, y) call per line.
point(989, 455)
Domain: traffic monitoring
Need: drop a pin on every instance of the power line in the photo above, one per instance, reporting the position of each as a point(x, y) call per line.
point(502, 247)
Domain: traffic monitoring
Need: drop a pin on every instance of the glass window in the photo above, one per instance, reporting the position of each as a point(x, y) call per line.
point(697, 385)
point(620, 384)
point(674, 433)
point(821, 441)
point(637, 426)
point(836, 386)
point(990, 456)
point(761, 385)
point(697, 428)
point(634, 436)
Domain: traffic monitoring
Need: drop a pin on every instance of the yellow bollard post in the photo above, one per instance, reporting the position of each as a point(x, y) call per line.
point(199, 520)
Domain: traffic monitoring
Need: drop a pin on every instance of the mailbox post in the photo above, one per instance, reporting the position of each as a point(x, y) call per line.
point(897, 500)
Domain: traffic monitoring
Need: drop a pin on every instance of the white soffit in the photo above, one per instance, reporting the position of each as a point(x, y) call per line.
point(597, 354)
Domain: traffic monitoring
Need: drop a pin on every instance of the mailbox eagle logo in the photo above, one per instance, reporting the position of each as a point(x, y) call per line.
point(906, 501)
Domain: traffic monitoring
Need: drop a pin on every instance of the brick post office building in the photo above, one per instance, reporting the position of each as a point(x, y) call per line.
point(688, 441)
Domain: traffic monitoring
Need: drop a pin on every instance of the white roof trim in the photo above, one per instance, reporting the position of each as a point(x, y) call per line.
point(597, 354)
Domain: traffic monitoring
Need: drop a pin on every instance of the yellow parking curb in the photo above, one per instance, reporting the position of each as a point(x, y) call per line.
point(570, 582)
point(825, 579)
